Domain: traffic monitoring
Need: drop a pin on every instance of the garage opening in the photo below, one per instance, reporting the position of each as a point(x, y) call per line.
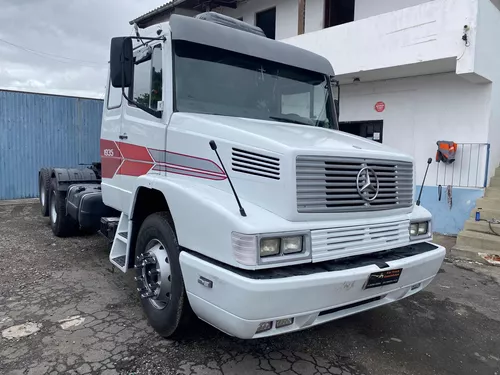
point(266, 20)
point(338, 12)
point(372, 130)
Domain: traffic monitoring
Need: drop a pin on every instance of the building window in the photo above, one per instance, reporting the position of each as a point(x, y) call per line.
point(372, 130)
point(266, 20)
point(338, 12)
point(148, 79)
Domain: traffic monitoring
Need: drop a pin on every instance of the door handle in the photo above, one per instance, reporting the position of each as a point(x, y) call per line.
point(123, 136)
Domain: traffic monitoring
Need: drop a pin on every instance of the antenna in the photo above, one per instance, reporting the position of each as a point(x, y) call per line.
point(429, 161)
point(213, 146)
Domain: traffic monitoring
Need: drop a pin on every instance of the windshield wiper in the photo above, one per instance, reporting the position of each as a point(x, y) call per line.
point(291, 120)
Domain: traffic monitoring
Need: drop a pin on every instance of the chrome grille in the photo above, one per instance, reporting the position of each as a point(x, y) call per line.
point(328, 184)
point(340, 242)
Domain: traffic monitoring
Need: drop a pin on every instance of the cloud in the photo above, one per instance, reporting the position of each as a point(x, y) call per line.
point(62, 46)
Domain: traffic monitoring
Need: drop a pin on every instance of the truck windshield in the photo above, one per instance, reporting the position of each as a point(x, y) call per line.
point(216, 81)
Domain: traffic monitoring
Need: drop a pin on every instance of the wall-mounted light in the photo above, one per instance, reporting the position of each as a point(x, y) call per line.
point(465, 37)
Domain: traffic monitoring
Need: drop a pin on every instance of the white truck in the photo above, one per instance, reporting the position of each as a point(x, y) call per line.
point(225, 183)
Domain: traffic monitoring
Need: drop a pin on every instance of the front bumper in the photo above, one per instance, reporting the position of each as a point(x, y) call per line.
point(237, 302)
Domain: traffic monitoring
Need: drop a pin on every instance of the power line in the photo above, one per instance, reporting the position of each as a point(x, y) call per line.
point(61, 59)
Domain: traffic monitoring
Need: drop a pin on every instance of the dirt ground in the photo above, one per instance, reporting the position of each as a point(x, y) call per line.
point(81, 317)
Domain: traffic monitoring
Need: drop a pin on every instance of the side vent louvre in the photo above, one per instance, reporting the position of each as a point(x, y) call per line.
point(256, 164)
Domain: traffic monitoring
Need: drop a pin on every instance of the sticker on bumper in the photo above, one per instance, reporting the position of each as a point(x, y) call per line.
point(382, 278)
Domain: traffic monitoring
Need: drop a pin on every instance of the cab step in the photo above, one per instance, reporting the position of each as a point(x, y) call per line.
point(119, 261)
point(119, 250)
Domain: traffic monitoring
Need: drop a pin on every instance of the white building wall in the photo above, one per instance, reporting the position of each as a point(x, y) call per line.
point(315, 18)
point(487, 64)
point(286, 14)
point(370, 8)
point(420, 111)
point(428, 33)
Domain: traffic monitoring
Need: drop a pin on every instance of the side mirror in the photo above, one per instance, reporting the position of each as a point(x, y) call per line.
point(121, 62)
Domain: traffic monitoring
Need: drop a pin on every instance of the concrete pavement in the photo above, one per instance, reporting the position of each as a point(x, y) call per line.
point(64, 311)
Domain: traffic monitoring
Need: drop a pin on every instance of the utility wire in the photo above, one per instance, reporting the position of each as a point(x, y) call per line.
point(61, 59)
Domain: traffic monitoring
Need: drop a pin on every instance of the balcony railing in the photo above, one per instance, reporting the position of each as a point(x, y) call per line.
point(470, 168)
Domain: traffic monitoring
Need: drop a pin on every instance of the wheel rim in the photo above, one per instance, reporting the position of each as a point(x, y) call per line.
point(155, 275)
point(53, 212)
point(42, 195)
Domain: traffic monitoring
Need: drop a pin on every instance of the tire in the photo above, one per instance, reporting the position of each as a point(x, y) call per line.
point(171, 320)
point(44, 190)
point(62, 225)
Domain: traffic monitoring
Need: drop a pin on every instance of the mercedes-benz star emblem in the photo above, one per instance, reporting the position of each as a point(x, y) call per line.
point(367, 184)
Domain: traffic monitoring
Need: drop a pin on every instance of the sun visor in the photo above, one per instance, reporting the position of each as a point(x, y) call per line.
point(215, 34)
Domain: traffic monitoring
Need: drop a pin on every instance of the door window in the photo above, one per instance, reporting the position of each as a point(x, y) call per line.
point(148, 79)
point(114, 96)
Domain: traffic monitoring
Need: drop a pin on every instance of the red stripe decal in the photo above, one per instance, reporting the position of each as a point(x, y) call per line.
point(134, 152)
point(191, 173)
point(127, 159)
point(134, 168)
point(111, 158)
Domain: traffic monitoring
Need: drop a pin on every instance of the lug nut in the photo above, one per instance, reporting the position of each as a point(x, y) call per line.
point(153, 273)
point(147, 295)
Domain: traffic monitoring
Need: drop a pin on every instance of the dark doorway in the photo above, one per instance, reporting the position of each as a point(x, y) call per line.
point(338, 12)
point(266, 20)
point(372, 130)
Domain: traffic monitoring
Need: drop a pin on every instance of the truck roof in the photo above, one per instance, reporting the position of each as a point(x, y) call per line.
point(220, 36)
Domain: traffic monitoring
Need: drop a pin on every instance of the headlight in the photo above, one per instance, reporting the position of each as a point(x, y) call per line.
point(269, 246)
point(291, 245)
point(419, 230)
point(423, 228)
point(283, 245)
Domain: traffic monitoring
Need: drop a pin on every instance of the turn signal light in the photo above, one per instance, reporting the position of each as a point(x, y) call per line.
point(264, 326)
point(284, 322)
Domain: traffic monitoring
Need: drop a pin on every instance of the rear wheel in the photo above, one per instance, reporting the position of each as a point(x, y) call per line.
point(159, 278)
point(62, 225)
point(44, 187)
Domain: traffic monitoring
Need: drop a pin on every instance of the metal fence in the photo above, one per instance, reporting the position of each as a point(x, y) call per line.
point(38, 130)
point(470, 168)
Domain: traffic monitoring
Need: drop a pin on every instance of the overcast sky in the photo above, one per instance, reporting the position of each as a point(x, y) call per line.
point(69, 40)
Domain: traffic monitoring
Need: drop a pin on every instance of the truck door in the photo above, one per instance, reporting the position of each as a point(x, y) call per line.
point(110, 153)
point(142, 133)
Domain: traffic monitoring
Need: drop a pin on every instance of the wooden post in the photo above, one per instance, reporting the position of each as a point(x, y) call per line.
point(302, 17)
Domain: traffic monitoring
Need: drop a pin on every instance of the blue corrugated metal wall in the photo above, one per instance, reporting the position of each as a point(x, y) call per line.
point(38, 130)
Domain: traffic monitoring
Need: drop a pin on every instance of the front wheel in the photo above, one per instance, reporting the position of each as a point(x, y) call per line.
point(159, 278)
